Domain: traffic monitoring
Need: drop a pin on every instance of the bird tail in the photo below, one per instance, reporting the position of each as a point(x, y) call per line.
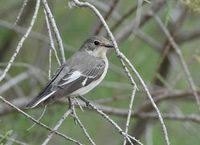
point(43, 96)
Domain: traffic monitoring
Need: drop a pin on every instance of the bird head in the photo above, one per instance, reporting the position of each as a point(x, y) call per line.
point(97, 46)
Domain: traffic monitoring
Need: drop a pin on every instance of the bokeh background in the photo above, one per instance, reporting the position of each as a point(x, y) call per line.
point(145, 47)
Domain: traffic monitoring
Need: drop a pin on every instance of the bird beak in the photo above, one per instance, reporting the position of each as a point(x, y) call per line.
point(110, 46)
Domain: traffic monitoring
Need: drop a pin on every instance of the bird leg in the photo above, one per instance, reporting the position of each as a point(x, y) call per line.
point(87, 102)
point(71, 106)
point(70, 102)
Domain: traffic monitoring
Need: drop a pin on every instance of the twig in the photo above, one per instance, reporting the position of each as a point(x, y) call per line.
point(127, 31)
point(109, 120)
point(129, 113)
point(14, 140)
point(33, 34)
point(43, 112)
point(150, 98)
point(102, 5)
point(149, 40)
point(14, 81)
point(188, 36)
point(123, 58)
point(182, 61)
point(55, 29)
point(21, 42)
point(113, 5)
point(51, 38)
point(19, 103)
point(81, 125)
point(21, 11)
point(66, 114)
point(50, 63)
point(123, 18)
point(38, 122)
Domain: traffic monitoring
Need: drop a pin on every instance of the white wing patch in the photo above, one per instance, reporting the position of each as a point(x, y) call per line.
point(43, 99)
point(84, 82)
point(75, 75)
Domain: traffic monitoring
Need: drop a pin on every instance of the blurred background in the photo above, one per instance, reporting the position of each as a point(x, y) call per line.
point(139, 37)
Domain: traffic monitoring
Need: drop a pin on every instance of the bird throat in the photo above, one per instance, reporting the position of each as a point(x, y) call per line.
point(100, 52)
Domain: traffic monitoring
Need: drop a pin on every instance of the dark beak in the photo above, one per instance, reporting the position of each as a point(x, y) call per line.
point(109, 46)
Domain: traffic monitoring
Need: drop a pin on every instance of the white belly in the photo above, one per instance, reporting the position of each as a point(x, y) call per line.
point(93, 84)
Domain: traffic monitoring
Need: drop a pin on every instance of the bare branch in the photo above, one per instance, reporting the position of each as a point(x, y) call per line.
point(21, 11)
point(81, 125)
point(127, 31)
point(55, 29)
point(13, 140)
point(21, 42)
point(51, 38)
point(65, 115)
point(37, 122)
point(182, 61)
point(117, 127)
point(113, 5)
point(129, 112)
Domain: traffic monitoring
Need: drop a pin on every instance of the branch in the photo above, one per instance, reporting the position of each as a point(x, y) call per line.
point(81, 125)
point(51, 38)
point(38, 122)
point(117, 127)
point(67, 113)
point(13, 140)
point(127, 31)
point(21, 11)
point(129, 112)
point(20, 103)
point(113, 6)
point(21, 42)
point(55, 29)
point(188, 36)
point(180, 56)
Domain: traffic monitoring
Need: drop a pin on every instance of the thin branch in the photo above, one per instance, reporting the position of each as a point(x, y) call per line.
point(51, 38)
point(55, 29)
point(21, 11)
point(66, 114)
point(13, 140)
point(123, 58)
point(19, 103)
point(38, 122)
point(81, 125)
point(188, 36)
point(50, 63)
point(152, 42)
point(14, 81)
point(129, 113)
point(127, 31)
point(180, 56)
point(123, 18)
point(21, 42)
point(113, 6)
point(117, 127)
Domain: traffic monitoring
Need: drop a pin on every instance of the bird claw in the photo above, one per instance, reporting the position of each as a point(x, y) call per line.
point(87, 103)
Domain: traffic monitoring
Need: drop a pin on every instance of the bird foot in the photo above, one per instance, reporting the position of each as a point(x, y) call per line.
point(87, 103)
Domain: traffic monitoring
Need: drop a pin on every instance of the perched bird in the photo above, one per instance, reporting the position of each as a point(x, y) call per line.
point(83, 71)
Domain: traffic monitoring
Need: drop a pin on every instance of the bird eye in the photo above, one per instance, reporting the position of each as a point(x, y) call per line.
point(96, 43)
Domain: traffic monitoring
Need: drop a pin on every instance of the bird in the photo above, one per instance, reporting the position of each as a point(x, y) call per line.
point(79, 74)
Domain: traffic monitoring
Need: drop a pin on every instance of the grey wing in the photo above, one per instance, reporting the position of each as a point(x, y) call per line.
point(47, 91)
point(66, 80)
point(81, 78)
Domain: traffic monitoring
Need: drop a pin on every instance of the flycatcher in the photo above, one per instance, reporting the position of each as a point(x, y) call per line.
point(83, 71)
